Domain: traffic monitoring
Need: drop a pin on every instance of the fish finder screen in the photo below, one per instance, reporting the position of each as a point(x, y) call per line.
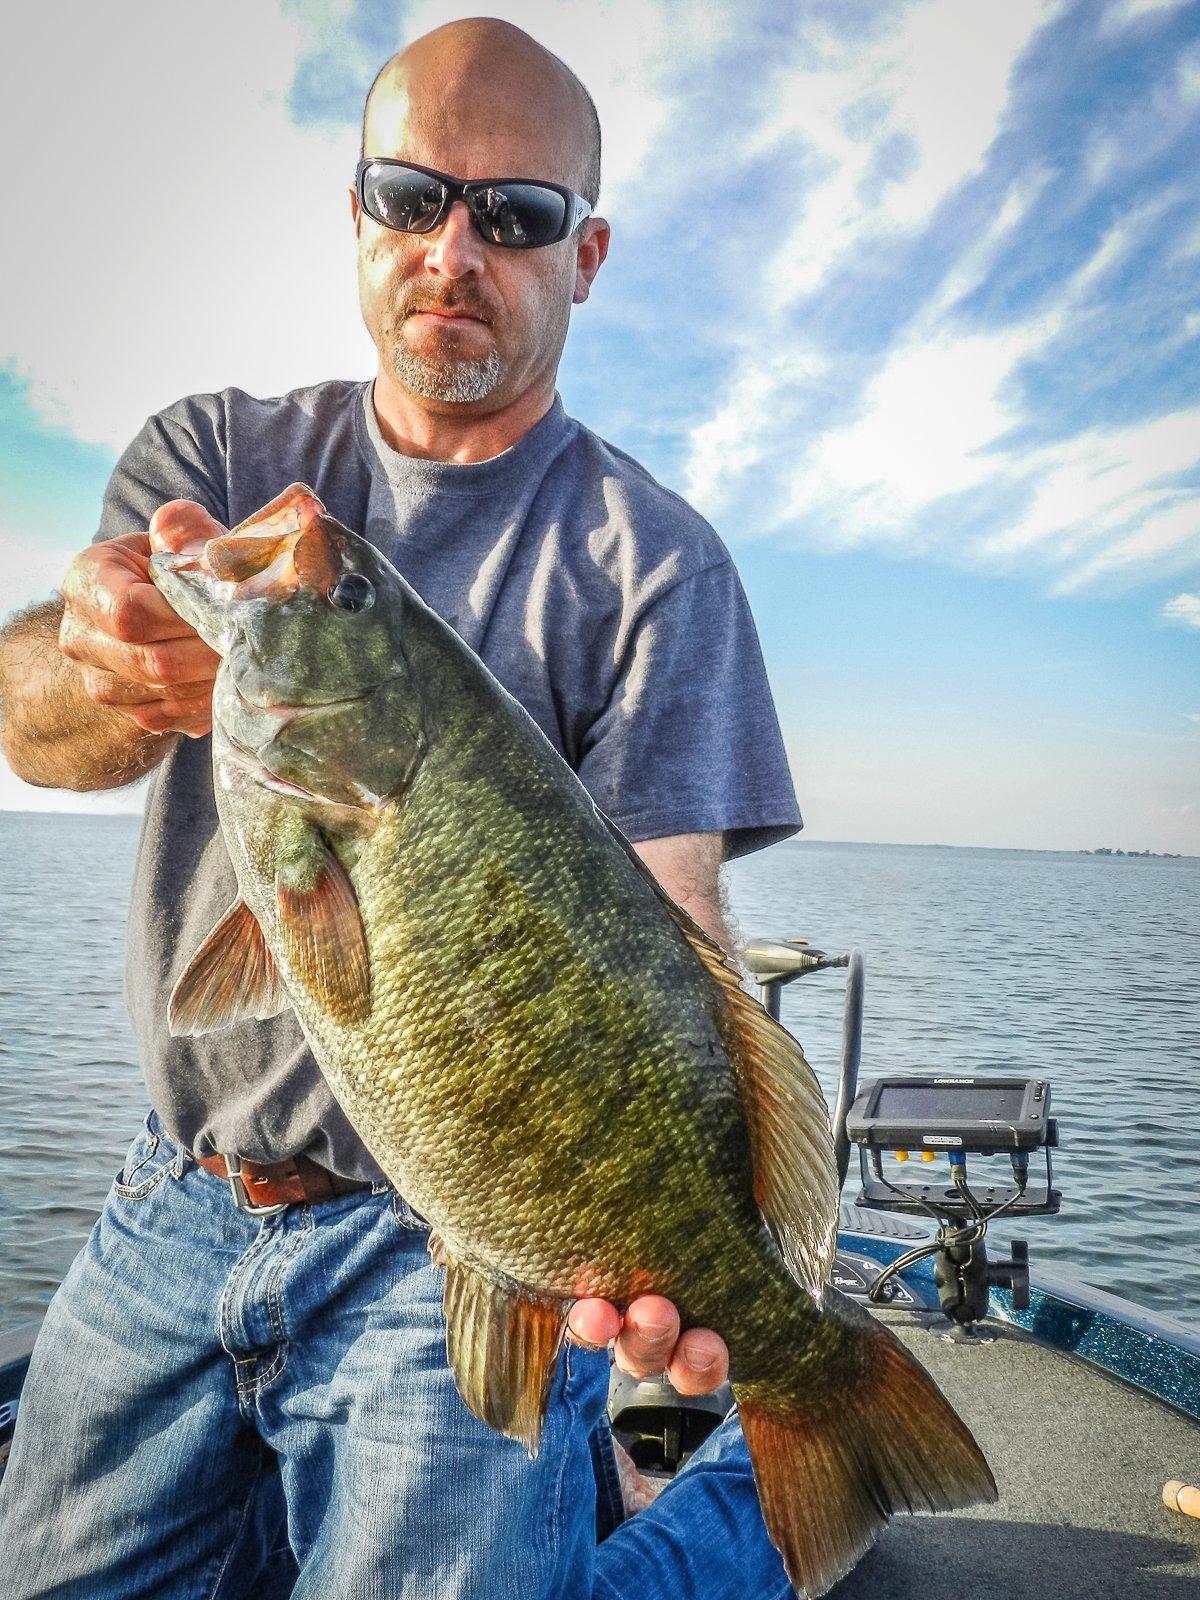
point(950, 1102)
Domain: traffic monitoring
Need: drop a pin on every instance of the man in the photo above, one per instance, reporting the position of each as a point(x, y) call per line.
point(202, 1352)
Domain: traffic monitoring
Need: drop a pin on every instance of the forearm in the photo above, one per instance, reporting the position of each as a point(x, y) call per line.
point(55, 735)
point(715, 915)
point(688, 866)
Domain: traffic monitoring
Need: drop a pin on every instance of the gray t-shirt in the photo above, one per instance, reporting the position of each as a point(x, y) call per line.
point(597, 597)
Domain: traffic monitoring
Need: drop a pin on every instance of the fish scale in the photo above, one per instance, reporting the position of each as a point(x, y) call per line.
point(547, 1057)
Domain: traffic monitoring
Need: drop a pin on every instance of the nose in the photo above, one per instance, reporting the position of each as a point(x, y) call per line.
point(455, 250)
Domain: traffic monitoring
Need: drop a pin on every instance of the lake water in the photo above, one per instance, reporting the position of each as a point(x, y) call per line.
point(1081, 969)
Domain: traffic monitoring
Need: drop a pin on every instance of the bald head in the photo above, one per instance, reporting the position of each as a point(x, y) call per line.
point(484, 86)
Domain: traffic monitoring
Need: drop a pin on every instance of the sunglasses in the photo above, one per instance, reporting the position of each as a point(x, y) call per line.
point(516, 213)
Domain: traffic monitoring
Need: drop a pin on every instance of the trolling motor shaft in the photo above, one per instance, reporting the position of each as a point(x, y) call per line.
point(775, 962)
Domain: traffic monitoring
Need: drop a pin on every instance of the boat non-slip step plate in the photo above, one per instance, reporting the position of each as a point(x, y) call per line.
point(1080, 1458)
point(885, 1224)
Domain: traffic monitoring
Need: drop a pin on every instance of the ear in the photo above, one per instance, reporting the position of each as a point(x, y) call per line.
point(355, 213)
point(592, 250)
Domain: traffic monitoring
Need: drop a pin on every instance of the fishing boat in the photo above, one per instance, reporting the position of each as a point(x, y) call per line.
point(1085, 1404)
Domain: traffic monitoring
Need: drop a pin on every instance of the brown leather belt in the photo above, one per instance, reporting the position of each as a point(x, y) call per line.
point(263, 1190)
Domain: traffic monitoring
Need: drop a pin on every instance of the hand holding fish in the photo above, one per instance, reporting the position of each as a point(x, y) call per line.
point(647, 1342)
point(135, 653)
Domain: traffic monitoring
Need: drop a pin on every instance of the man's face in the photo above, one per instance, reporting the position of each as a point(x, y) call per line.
point(464, 325)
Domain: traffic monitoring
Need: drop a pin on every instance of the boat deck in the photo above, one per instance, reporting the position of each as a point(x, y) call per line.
point(1080, 1458)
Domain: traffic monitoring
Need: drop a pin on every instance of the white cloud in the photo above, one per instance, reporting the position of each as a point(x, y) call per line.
point(732, 441)
point(933, 89)
point(627, 52)
point(1165, 541)
point(1101, 480)
point(932, 421)
point(938, 81)
point(30, 571)
point(936, 421)
point(1184, 608)
point(1121, 13)
point(927, 419)
point(176, 231)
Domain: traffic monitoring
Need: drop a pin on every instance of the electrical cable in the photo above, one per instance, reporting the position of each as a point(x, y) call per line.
point(951, 1234)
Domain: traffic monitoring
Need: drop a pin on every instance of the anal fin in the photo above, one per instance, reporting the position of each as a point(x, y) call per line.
point(231, 978)
point(503, 1346)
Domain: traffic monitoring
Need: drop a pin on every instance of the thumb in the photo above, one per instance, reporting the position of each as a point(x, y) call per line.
point(183, 526)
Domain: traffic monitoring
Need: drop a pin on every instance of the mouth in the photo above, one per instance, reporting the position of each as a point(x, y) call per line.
point(461, 315)
point(446, 319)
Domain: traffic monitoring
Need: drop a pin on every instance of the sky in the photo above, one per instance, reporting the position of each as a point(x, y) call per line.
point(902, 296)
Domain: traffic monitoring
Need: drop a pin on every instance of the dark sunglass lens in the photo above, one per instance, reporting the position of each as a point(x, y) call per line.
point(400, 197)
point(522, 215)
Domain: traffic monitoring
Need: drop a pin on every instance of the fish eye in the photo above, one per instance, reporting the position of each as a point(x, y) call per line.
point(352, 592)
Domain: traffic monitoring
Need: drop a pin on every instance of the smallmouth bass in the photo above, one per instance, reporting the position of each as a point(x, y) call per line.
point(552, 1062)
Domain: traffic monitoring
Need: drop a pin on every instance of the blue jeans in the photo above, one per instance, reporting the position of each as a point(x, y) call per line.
point(221, 1405)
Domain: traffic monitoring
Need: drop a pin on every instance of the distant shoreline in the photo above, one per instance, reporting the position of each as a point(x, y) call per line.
point(1104, 852)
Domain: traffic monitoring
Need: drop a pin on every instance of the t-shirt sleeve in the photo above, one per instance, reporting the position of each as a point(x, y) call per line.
point(177, 455)
point(689, 741)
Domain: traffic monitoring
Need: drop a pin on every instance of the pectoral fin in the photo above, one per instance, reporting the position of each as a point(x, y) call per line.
point(231, 978)
point(321, 928)
point(503, 1345)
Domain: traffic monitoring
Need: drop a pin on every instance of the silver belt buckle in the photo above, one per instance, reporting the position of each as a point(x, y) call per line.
point(241, 1199)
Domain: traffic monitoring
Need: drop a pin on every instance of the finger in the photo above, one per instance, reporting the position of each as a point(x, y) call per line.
point(183, 525)
point(192, 717)
point(162, 663)
point(700, 1363)
point(593, 1323)
point(106, 689)
point(108, 586)
point(647, 1336)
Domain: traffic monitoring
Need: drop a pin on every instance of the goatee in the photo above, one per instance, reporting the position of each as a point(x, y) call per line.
point(457, 381)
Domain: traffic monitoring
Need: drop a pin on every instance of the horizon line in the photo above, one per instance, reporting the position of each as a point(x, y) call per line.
point(902, 844)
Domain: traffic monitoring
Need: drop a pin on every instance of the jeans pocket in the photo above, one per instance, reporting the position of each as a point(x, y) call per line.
point(408, 1219)
point(150, 1157)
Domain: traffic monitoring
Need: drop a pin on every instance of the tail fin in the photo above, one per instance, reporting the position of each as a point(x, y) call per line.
point(832, 1467)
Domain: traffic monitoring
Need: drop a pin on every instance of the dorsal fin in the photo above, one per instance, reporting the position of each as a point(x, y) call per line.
point(795, 1175)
